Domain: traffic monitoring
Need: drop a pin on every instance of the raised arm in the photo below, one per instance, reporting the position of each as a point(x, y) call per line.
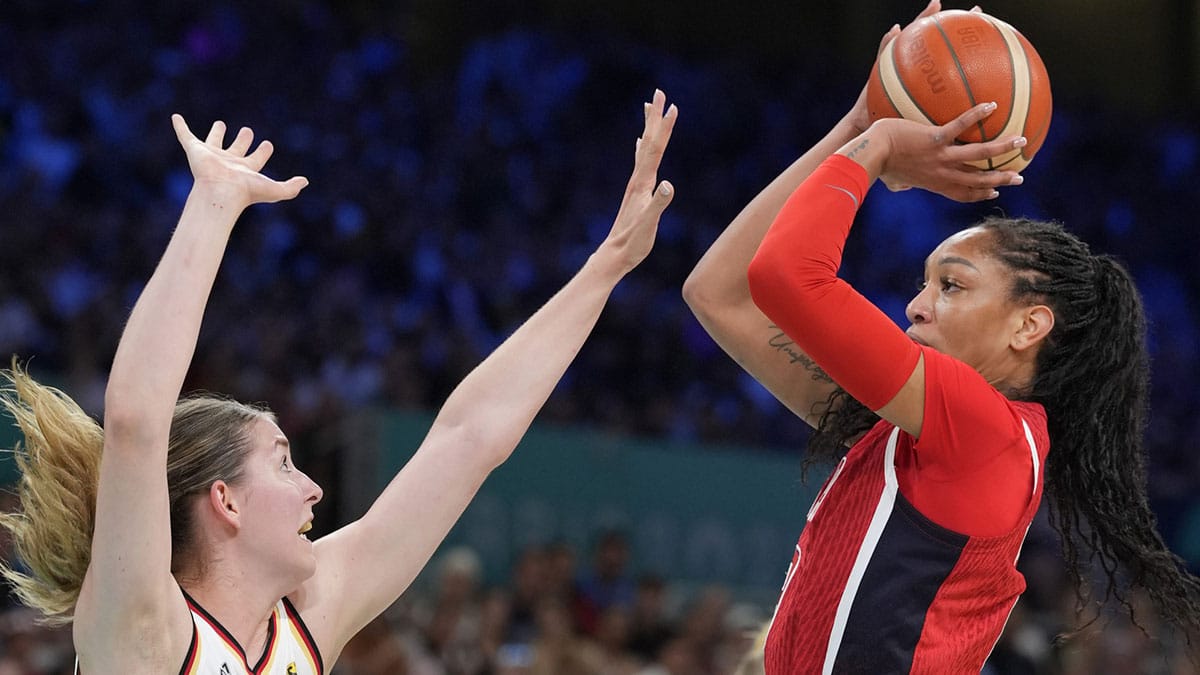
point(719, 295)
point(793, 277)
point(363, 567)
point(130, 610)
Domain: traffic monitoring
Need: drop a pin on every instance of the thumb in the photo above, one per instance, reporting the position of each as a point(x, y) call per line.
point(289, 188)
point(663, 196)
point(892, 33)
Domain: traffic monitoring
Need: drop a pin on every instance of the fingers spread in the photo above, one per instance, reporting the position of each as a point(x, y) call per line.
point(216, 135)
point(182, 132)
point(258, 159)
point(242, 142)
point(292, 187)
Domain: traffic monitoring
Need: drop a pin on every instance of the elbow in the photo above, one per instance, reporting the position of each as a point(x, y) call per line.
point(119, 411)
point(697, 295)
point(712, 292)
point(128, 419)
point(787, 288)
point(765, 280)
point(476, 451)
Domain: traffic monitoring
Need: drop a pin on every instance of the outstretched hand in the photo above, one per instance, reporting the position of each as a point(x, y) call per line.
point(645, 199)
point(232, 172)
point(928, 157)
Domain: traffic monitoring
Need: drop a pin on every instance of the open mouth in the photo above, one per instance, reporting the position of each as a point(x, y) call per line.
point(307, 526)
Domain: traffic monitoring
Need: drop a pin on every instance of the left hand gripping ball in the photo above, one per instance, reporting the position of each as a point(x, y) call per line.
point(941, 66)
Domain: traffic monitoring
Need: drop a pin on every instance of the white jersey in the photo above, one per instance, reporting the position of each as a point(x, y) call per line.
point(290, 649)
point(213, 651)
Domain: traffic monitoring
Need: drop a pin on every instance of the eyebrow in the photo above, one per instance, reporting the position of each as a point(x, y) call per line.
point(953, 259)
point(283, 442)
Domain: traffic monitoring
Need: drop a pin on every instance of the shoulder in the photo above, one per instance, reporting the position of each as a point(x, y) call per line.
point(295, 630)
point(943, 369)
point(967, 420)
point(152, 638)
point(953, 387)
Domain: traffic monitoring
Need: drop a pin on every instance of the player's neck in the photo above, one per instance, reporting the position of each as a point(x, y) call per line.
point(243, 609)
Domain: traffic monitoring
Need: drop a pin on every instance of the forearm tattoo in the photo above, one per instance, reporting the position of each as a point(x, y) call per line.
point(783, 344)
point(858, 148)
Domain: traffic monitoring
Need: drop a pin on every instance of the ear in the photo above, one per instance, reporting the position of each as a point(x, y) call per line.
point(1036, 323)
point(224, 504)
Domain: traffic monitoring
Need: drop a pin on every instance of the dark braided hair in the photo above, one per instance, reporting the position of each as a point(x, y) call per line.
point(1092, 378)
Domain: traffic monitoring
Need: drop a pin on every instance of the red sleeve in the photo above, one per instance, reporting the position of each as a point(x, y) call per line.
point(793, 280)
point(973, 468)
point(967, 421)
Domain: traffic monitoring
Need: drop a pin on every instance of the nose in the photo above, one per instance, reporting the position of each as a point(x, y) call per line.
point(315, 493)
point(918, 309)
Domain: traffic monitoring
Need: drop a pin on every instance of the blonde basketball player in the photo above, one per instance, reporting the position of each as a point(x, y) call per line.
point(181, 547)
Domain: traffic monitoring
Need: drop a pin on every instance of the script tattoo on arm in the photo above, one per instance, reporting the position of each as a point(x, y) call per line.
point(784, 344)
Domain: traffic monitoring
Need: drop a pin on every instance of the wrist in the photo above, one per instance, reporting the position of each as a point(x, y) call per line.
point(608, 264)
point(219, 196)
point(870, 149)
point(214, 205)
point(848, 127)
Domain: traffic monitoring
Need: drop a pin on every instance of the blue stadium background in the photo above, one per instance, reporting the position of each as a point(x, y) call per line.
point(464, 159)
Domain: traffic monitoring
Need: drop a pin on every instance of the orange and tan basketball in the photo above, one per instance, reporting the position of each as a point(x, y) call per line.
point(942, 65)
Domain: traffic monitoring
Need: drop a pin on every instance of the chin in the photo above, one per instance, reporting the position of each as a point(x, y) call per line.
point(301, 567)
point(309, 566)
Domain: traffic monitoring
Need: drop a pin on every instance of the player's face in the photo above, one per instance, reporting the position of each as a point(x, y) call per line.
point(278, 502)
point(963, 308)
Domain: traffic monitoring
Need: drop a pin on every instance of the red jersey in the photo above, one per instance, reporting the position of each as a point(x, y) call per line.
point(876, 584)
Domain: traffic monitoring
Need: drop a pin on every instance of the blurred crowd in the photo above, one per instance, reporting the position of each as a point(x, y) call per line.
point(571, 612)
point(451, 193)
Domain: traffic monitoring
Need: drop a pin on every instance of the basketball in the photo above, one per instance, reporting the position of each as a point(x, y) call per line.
point(942, 65)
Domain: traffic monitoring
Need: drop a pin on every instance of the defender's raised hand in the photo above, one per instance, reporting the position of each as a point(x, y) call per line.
point(636, 224)
point(234, 174)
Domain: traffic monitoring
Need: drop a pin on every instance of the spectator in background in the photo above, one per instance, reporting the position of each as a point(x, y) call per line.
point(607, 584)
point(650, 626)
point(377, 650)
point(527, 588)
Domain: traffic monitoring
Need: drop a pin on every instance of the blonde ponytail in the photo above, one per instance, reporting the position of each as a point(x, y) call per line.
point(59, 463)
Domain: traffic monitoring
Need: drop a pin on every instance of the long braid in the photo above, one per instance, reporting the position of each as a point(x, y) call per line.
point(1093, 379)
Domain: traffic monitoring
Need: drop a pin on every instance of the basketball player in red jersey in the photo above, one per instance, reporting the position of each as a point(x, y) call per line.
point(1024, 369)
point(181, 548)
